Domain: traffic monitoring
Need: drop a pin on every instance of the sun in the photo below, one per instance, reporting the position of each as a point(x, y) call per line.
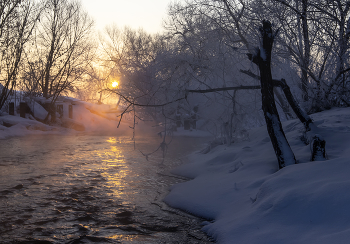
point(115, 84)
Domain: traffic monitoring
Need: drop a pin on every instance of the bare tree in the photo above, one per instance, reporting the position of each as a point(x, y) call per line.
point(212, 38)
point(17, 20)
point(337, 21)
point(293, 18)
point(139, 60)
point(62, 47)
point(315, 36)
point(262, 58)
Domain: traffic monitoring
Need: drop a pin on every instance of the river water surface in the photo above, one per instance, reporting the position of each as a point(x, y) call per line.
point(91, 189)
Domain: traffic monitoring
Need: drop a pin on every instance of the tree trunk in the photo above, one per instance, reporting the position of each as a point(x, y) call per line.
point(262, 58)
point(306, 57)
point(303, 117)
point(311, 131)
point(284, 103)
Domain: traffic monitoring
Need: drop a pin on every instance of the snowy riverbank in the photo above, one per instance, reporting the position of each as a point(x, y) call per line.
point(246, 200)
point(87, 118)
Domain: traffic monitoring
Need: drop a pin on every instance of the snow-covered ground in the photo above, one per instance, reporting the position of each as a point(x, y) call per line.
point(246, 199)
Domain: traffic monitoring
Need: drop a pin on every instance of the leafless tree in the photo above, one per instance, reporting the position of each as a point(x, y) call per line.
point(213, 38)
point(138, 59)
point(315, 36)
point(17, 20)
point(336, 22)
point(62, 48)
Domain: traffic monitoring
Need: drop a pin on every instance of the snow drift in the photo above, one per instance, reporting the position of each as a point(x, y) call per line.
point(246, 199)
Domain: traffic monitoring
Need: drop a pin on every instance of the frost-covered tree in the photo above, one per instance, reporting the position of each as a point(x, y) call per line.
point(293, 19)
point(336, 23)
point(212, 38)
point(314, 36)
point(137, 59)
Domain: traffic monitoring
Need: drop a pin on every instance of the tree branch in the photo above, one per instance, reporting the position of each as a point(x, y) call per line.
point(303, 117)
point(224, 89)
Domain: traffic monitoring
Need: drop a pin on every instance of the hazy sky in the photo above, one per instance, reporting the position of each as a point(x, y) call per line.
point(147, 14)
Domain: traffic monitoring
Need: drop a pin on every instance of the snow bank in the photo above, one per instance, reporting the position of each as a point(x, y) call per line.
point(17, 126)
point(87, 118)
point(38, 111)
point(246, 199)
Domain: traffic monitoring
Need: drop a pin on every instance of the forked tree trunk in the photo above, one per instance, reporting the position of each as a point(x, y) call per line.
point(262, 58)
point(318, 148)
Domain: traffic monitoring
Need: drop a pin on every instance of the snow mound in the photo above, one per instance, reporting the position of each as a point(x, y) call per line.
point(38, 111)
point(248, 200)
point(16, 126)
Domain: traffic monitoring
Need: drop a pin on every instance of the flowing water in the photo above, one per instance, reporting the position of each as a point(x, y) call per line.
point(91, 189)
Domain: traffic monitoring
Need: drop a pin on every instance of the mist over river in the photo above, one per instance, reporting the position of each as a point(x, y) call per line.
point(92, 189)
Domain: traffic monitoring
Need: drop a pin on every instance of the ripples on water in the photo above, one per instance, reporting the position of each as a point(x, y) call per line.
point(90, 189)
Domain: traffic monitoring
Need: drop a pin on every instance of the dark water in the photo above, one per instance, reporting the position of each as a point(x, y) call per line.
point(91, 189)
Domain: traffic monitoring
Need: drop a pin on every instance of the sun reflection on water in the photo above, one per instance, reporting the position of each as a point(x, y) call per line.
point(112, 140)
point(106, 160)
point(114, 168)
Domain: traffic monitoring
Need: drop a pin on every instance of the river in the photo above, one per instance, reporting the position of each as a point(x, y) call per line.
point(92, 189)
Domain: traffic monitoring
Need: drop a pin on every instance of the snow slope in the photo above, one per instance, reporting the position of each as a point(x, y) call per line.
point(245, 198)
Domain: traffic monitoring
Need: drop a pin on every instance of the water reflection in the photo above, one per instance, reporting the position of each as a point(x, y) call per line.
point(87, 189)
point(112, 140)
point(114, 169)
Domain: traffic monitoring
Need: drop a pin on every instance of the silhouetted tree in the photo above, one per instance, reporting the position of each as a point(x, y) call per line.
point(61, 48)
point(17, 20)
point(262, 58)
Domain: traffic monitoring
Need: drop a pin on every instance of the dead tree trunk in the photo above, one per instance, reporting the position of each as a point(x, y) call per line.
point(318, 148)
point(300, 113)
point(262, 58)
point(302, 116)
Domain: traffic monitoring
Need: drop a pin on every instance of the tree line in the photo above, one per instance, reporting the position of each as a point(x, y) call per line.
point(204, 46)
point(45, 46)
point(49, 48)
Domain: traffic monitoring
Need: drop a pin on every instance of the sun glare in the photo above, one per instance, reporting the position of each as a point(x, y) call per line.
point(115, 84)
